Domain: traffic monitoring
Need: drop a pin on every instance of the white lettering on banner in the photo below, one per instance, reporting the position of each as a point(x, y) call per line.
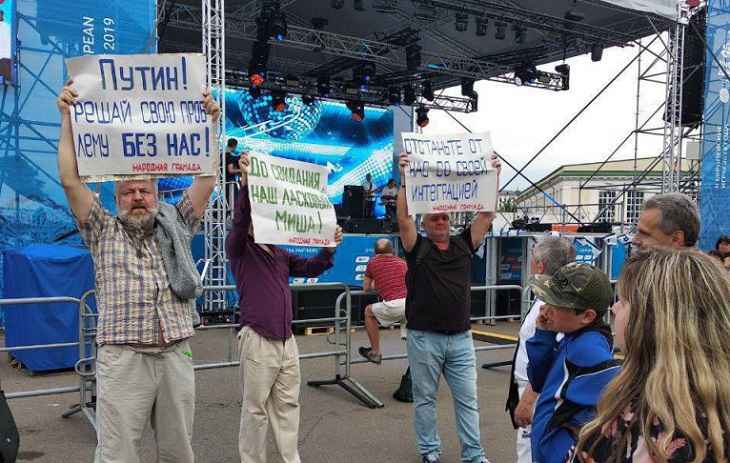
point(449, 173)
point(140, 115)
point(289, 203)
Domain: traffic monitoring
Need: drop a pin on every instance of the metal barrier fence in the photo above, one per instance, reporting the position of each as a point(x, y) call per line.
point(342, 355)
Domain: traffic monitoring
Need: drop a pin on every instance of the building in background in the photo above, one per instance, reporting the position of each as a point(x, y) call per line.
point(593, 193)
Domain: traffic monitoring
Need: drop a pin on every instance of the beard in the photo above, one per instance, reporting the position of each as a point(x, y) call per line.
point(138, 223)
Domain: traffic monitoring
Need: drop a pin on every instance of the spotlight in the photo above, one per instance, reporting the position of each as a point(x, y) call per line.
point(277, 26)
point(564, 71)
point(427, 90)
point(596, 52)
point(425, 10)
point(525, 73)
point(409, 95)
point(519, 34)
point(467, 88)
point(337, 4)
point(323, 85)
point(413, 57)
point(462, 22)
point(363, 74)
point(278, 100)
point(357, 109)
point(394, 97)
point(422, 116)
point(308, 100)
point(500, 30)
point(481, 26)
point(258, 62)
point(358, 5)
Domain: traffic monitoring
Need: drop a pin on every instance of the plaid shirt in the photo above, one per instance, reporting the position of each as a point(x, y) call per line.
point(136, 304)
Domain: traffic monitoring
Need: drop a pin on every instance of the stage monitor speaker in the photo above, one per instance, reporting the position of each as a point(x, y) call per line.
point(352, 201)
point(366, 226)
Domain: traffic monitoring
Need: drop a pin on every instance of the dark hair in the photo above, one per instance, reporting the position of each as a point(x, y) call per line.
point(715, 253)
point(723, 239)
point(232, 142)
point(679, 213)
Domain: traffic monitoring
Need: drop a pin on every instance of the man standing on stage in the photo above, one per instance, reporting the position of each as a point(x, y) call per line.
point(388, 195)
point(368, 188)
point(385, 273)
point(438, 308)
point(146, 284)
point(270, 375)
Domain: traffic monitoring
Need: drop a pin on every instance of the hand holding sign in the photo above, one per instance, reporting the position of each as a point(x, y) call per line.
point(66, 99)
point(244, 162)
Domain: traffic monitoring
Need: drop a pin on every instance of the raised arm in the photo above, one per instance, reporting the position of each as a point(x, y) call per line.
point(79, 197)
point(406, 225)
point(483, 220)
point(238, 236)
point(199, 192)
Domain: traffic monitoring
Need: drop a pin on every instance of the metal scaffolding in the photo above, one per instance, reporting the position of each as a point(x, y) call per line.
point(213, 20)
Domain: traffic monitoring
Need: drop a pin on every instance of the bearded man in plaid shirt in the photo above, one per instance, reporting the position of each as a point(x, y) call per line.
point(146, 285)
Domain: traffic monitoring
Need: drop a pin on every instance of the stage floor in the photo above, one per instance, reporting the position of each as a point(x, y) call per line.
point(335, 427)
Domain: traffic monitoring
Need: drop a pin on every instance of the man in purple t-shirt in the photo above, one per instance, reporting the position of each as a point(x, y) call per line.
point(269, 372)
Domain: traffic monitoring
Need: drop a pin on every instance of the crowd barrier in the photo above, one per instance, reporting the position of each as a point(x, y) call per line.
point(341, 338)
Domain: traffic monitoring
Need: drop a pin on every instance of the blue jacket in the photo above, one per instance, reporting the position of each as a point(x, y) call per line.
point(570, 376)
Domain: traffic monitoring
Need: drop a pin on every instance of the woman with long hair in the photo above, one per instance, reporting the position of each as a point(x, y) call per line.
point(671, 401)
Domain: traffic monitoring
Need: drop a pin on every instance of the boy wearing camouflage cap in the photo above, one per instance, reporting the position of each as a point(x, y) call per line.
point(570, 374)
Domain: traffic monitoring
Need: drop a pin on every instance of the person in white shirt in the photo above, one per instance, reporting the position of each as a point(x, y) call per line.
point(548, 256)
point(368, 188)
point(388, 195)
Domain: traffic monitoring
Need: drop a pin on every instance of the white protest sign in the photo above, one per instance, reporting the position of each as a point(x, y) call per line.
point(141, 115)
point(289, 203)
point(449, 173)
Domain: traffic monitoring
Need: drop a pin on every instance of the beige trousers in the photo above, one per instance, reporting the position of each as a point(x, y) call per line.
point(270, 386)
point(136, 386)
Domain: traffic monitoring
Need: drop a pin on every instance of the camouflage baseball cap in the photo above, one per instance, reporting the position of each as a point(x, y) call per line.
point(577, 286)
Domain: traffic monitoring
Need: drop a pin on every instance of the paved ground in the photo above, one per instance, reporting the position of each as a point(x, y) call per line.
point(335, 427)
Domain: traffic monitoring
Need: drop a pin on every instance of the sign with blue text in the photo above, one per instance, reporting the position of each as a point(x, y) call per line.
point(141, 116)
point(289, 203)
point(449, 173)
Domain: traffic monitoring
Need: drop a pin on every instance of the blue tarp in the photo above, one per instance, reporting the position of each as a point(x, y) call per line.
point(42, 270)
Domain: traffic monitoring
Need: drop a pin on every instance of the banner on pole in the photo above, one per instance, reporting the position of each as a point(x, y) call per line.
point(449, 173)
point(289, 203)
point(141, 115)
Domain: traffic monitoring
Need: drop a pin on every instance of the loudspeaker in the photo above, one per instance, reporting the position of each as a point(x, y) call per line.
point(352, 201)
point(693, 85)
point(365, 226)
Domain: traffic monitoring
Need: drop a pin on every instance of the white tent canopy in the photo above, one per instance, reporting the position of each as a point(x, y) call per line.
point(666, 8)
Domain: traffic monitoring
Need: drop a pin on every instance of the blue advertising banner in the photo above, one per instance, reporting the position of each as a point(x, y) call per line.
point(714, 192)
point(351, 259)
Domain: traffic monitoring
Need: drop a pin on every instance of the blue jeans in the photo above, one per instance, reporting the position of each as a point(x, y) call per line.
point(429, 355)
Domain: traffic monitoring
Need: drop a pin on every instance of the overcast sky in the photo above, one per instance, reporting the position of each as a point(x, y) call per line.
point(521, 120)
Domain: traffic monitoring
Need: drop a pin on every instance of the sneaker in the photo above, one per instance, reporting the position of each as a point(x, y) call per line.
point(367, 352)
point(430, 458)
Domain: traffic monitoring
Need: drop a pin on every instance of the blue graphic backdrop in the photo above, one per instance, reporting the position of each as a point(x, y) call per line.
point(33, 207)
point(714, 193)
point(322, 132)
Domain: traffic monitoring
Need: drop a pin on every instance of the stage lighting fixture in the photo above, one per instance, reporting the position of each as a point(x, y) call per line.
point(358, 5)
point(357, 109)
point(385, 6)
point(337, 4)
point(525, 73)
point(467, 88)
point(257, 64)
point(394, 97)
point(422, 116)
point(323, 85)
point(481, 26)
point(363, 74)
point(427, 90)
point(596, 52)
point(277, 26)
point(319, 23)
point(564, 71)
point(413, 57)
point(462, 22)
point(308, 99)
point(425, 10)
point(278, 100)
point(409, 95)
point(500, 30)
point(519, 34)
point(574, 15)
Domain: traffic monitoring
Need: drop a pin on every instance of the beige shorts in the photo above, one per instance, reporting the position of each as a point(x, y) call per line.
point(390, 312)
